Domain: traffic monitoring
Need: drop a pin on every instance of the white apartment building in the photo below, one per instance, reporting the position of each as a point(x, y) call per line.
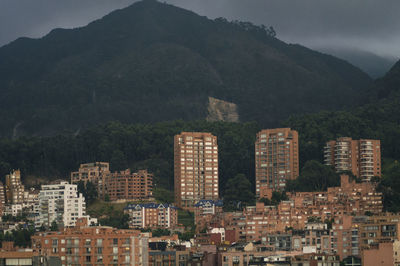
point(152, 215)
point(60, 203)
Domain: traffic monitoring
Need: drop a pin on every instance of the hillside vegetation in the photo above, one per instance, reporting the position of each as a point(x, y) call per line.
point(155, 62)
point(379, 119)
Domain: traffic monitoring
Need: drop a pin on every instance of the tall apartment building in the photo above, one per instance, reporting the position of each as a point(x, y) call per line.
point(276, 158)
point(2, 199)
point(93, 245)
point(60, 203)
point(195, 168)
point(14, 190)
point(125, 185)
point(361, 157)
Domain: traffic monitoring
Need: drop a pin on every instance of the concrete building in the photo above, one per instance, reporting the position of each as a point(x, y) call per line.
point(346, 236)
point(60, 203)
point(350, 199)
point(321, 259)
point(314, 238)
point(122, 185)
point(252, 254)
point(205, 211)
point(378, 229)
point(169, 257)
point(361, 157)
point(276, 158)
point(10, 255)
point(14, 190)
point(385, 254)
point(125, 185)
point(152, 215)
point(93, 245)
point(91, 172)
point(195, 168)
point(2, 199)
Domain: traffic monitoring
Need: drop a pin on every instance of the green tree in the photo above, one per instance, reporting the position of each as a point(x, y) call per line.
point(107, 198)
point(42, 228)
point(276, 198)
point(238, 192)
point(314, 176)
point(163, 195)
point(89, 191)
point(160, 232)
point(390, 186)
point(54, 226)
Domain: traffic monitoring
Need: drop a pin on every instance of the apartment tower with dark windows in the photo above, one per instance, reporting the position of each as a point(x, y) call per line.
point(195, 168)
point(276, 159)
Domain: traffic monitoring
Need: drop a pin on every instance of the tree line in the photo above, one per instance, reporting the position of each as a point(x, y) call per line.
point(145, 146)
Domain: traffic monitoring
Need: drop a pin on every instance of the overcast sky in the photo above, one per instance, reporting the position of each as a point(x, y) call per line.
point(368, 25)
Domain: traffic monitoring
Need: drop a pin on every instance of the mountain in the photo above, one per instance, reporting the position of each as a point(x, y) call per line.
point(389, 85)
point(155, 62)
point(377, 119)
point(374, 65)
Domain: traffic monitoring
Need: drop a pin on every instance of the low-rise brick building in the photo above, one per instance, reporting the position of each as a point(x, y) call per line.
point(125, 185)
point(205, 211)
point(120, 185)
point(83, 245)
point(350, 199)
point(152, 215)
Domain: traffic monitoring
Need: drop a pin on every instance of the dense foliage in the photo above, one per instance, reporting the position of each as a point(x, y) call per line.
point(155, 62)
point(136, 146)
point(238, 193)
point(21, 237)
point(89, 191)
point(390, 186)
point(379, 119)
point(314, 176)
point(276, 198)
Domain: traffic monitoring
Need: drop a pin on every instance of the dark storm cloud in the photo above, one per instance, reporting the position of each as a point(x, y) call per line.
point(35, 18)
point(370, 25)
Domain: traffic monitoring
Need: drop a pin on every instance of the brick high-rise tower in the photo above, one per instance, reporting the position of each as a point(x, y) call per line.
point(277, 159)
point(195, 168)
point(361, 157)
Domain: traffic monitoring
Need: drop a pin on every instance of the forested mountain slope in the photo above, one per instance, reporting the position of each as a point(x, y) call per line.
point(155, 62)
point(379, 119)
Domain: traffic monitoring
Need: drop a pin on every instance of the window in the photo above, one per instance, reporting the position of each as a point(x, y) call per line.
point(115, 250)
